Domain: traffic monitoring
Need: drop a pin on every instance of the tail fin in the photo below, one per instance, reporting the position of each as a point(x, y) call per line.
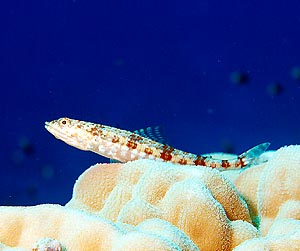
point(250, 156)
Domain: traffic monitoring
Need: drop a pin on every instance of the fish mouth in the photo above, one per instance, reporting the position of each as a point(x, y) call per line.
point(49, 127)
point(56, 132)
point(47, 124)
point(59, 133)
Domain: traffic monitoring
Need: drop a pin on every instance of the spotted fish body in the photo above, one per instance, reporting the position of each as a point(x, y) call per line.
point(127, 146)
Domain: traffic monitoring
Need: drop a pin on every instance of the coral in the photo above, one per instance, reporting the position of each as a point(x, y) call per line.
point(284, 234)
point(6, 248)
point(247, 185)
point(289, 209)
point(199, 201)
point(104, 177)
point(155, 229)
point(272, 191)
point(57, 222)
point(243, 231)
point(48, 244)
point(279, 183)
point(26, 227)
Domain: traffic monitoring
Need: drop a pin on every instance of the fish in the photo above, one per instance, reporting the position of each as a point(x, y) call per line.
point(124, 146)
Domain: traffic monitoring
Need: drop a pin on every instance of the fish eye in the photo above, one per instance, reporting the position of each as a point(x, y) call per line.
point(64, 121)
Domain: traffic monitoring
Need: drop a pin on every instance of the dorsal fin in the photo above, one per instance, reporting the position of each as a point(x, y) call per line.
point(153, 133)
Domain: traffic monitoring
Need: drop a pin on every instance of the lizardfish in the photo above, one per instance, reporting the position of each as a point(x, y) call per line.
point(127, 146)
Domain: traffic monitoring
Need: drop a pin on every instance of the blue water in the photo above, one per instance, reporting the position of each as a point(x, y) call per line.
point(134, 64)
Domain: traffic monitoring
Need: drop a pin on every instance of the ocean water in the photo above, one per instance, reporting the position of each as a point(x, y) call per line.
point(215, 75)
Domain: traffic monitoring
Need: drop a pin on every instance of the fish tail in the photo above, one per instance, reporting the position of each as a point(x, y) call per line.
point(251, 156)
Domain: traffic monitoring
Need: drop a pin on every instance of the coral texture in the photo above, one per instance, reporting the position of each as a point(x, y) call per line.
point(272, 191)
point(284, 234)
point(280, 177)
point(199, 201)
point(247, 184)
point(27, 227)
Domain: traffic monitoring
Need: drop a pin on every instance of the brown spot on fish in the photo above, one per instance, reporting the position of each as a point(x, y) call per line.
point(225, 163)
point(240, 162)
point(135, 137)
point(115, 139)
point(182, 161)
point(200, 161)
point(213, 164)
point(166, 155)
point(131, 144)
point(148, 150)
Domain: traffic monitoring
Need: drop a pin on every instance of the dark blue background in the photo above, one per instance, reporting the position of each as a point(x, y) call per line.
point(134, 64)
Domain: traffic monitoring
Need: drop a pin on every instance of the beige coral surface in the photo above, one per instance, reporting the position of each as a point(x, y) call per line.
point(198, 200)
point(26, 227)
point(150, 205)
point(272, 191)
point(280, 177)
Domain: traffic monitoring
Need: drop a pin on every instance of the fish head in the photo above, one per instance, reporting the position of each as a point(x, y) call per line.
point(74, 132)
